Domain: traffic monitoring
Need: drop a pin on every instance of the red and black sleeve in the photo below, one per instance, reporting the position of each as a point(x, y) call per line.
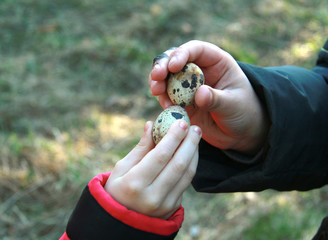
point(98, 216)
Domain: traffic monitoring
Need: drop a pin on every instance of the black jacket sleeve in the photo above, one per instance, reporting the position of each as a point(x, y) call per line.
point(295, 156)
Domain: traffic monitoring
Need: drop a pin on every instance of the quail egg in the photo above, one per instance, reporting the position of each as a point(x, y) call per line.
point(182, 86)
point(165, 120)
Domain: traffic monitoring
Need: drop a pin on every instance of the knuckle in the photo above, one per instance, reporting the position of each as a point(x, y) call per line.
point(133, 189)
point(180, 165)
point(152, 204)
point(162, 155)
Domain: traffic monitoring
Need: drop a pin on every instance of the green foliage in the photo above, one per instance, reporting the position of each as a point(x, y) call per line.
point(62, 60)
point(279, 224)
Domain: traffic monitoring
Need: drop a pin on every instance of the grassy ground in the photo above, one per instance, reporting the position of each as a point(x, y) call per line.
point(74, 98)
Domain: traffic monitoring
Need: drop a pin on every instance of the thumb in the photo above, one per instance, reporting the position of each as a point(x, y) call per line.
point(145, 144)
point(137, 153)
point(211, 100)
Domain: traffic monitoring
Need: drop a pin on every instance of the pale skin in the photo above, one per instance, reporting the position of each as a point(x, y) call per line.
point(227, 114)
point(151, 179)
point(226, 107)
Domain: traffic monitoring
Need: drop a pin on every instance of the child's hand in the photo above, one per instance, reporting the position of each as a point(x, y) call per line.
point(226, 107)
point(151, 180)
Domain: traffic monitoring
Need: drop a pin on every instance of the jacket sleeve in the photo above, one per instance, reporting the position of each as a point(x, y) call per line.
point(98, 216)
point(295, 156)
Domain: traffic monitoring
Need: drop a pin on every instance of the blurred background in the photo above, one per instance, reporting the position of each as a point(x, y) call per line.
point(74, 100)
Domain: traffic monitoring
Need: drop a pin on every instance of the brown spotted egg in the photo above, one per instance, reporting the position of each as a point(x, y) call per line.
point(165, 120)
point(182, 86)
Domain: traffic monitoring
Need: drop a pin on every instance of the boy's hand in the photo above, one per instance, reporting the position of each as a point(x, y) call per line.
point(226, 107)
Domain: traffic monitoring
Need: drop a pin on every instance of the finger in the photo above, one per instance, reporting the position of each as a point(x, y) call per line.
point(157, 87)
point(179, 164)
point(203, 54)
point(221, 102)
point(145, 144)
point(154, 162)
point(165, 54)
point(175, 195)
point(159, 70)
point(226, 108)
point(165, 101)
point(159, 57)
point(224, 105)
point(159, 73)
point(188, 176)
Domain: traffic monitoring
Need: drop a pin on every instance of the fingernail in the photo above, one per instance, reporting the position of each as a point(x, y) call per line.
point(183, 125)
point(198, 130)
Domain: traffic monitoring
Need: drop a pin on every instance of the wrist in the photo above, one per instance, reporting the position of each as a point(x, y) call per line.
point(130, 217)
point(136, 200)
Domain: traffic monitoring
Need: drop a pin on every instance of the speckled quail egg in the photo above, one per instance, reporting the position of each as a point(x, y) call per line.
point(165, 120)
point(182, 86)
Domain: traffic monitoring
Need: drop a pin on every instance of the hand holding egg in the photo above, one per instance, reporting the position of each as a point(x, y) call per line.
point(182, 87)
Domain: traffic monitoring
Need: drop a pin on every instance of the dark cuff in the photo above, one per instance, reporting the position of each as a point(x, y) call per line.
point(322, 233)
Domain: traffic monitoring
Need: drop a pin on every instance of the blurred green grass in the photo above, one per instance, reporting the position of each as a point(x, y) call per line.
point(74, 97)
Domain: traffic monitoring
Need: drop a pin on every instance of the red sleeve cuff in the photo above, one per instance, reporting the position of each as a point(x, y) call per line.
point(136, 220)
point(64, 237)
